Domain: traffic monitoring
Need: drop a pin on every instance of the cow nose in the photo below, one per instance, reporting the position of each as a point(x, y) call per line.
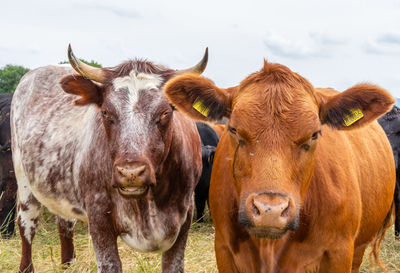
point(270, 210)
point(132, 175)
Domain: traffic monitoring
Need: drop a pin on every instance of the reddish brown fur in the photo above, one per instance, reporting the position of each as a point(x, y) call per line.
point(66, 234)
point(213, 97)
point(75, 84)
point(327, 202)
point(369, 98)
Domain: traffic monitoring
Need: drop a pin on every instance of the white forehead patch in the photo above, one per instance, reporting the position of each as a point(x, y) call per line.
point(135, 82)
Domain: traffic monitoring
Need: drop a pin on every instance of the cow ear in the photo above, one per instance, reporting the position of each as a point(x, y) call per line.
point(355, 107)
point(88, 91)
point(198, 97)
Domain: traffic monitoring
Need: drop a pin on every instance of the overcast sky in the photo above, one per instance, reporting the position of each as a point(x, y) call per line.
point(332, 43)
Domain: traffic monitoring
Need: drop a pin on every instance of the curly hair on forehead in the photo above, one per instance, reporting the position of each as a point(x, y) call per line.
point(140, 66)
point(277, 87)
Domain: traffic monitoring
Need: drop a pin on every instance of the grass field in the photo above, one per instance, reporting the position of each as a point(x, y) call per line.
point(199, 256)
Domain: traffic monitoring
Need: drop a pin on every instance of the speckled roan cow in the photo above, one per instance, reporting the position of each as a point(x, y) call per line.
point(105, 146)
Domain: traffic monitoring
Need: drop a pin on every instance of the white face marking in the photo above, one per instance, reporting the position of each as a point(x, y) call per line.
point(136, 82)
point(135, 124)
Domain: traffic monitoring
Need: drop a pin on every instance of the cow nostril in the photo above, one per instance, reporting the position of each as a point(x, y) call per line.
point(255, 209)
point(121, 170)
point(285, 210)
point(140, 171)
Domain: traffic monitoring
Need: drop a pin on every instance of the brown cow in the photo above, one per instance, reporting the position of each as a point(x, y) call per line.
point(105, 146)
point(303, 178)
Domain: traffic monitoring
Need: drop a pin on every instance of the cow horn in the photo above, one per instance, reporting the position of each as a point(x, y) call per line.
point(87, 71)
point(198, 68)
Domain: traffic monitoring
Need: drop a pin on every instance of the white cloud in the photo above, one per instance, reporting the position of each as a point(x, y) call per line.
point(308, 45)
point(289, 48)
point(328, 39)
point(384, 44)
point(389, 38)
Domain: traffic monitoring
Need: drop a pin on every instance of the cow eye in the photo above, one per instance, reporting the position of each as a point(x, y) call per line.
point(235, 135)
point(232, 130)
point(106, 115)
point(315, 135)
point(307, 145)
point(166, 115)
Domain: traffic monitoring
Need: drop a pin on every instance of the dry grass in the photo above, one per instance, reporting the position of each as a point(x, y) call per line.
point(199, 256)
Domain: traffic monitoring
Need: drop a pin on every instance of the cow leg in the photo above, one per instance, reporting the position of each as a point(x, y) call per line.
point(66, 233)
point(225, 259)
point(28, 215)
point(200, 205)
point(397, 208)
point(103, 235)
point(305, 256)
point(8, 202)
point(173, 258)
point(241, 256)
point(358, 258)
point(338, 260)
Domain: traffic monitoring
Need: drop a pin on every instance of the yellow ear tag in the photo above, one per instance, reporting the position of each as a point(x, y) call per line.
point(200, 107)
point(355, 115)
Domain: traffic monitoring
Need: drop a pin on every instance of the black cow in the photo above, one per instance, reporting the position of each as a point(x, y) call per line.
point(390, 122)
point(8, 184)
point(209, 141)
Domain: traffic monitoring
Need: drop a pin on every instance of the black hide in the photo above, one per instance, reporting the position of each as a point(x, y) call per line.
point(209, 141)
point(8, 183)
point(390, 123)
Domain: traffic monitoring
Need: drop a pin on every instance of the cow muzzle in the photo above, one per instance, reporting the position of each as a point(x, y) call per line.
point(132, 180)
point(269, 215)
